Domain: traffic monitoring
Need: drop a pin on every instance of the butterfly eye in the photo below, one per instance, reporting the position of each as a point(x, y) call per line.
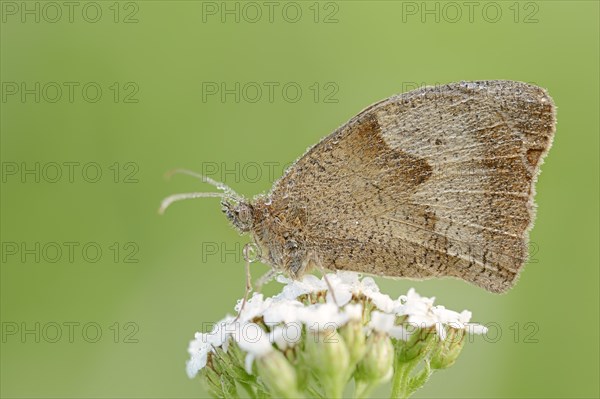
point(245, 215)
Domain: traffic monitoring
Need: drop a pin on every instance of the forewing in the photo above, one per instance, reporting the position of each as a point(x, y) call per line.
point(434, 182)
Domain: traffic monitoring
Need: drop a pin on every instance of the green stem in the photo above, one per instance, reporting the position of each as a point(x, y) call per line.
point(403, 385)
point(401, 379)
point(420, 379)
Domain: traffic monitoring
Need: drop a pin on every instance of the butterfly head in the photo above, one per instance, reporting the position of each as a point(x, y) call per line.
point(234, 206)
point(238, 212)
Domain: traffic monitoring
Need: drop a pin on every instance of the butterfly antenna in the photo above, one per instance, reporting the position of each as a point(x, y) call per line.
point(205, 179)
point(184, 196)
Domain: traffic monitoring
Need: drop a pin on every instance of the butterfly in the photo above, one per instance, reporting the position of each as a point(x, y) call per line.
point(435, 182)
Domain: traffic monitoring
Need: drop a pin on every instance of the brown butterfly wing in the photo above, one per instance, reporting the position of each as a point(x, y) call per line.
point(434, 182)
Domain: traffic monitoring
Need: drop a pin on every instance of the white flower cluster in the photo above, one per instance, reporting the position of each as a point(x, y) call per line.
point(287, 314)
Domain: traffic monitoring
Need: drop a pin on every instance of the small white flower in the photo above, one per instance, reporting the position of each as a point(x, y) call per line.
point(323, 316)
point(198, 343)
point(198, 350)
point(418, 309)
point(205, 343)
point(282, 311)
point(413, 304)
point(347, 278)
point(196, 363)
point(255, 341)
point(385, 323)
point(369, 288)
point(381, 322)
point(254, 307)
point(286, 336)
point(382, 301)
point(347, 284)
point(342, 284)
point(342, 295)
point(448, 317)
point(218, 337)
point(401, 332)
point(287, 318)
point(354, 311)
point(295, 288)
point(473, 328)
point(424, 320)
point(465, 316)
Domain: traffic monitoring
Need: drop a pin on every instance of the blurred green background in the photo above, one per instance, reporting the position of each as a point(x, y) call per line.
point(132, 89)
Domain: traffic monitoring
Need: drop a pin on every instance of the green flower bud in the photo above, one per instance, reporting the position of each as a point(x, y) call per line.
point(377, 364)
point(231, 363)
point(328, 357)
point(276, 372)
point(218, 384)
point(355, 340)
point(446, 352)
point(417, 346)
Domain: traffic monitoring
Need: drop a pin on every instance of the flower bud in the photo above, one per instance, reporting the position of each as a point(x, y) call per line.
point(354, 336)
point(446, 352)
point(219, 384)
point(278, 374)
point(328, 356)
point(377, 364)
point(416, 346)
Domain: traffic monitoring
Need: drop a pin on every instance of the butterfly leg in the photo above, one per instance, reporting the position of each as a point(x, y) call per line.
point(264, 279)
point(248, 289)
point(249, 251)
point(319, 265)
